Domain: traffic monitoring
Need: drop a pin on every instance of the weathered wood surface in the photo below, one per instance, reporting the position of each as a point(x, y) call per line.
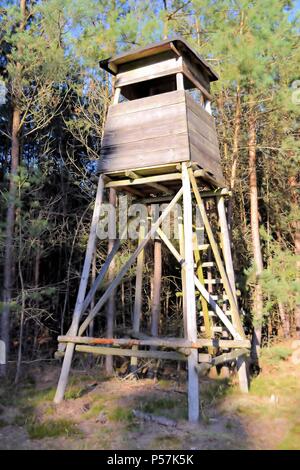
point(145, 104)
point(150, 71)
point(63, 379)
point(166, 342)
point(203, 140)
point(107, 351)
point(158, 130)
point(190, 301)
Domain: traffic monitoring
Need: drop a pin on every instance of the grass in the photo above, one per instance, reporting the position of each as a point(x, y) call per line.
point(171, 407)
point(292, 440)
point(275, 354)
point(95, 409)
point(74, 392)
point(51, 428)
point(214, 390)
point(121, 414)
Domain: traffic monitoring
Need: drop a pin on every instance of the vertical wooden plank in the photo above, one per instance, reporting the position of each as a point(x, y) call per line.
point(63, 379)
point(183, 279)
point(179, 81)
point(116, 95)
point(137, 309)
point(226, 248)
point(207, 106)
point(226, 244)
point(111, 304)
point(193, 380)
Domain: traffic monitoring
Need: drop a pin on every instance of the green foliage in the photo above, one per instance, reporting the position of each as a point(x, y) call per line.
point(52, 428)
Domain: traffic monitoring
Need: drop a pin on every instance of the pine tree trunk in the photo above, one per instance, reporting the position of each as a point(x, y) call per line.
point(235, 151)
point(256, 247)
point(9, 235)
point(296, 226)
point(284, 320)
point(156, 288)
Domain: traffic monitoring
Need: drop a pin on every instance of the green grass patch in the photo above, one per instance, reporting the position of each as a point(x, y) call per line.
point(95, 410)
point(266, 385)
point(120, 414)
point(51, 428)
point(275, 354)
point(292, 440)
point(168, 406)
point(74, 392)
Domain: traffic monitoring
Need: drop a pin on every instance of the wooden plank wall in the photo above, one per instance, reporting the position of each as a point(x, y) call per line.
point(203, 139)
point(158, 130)
point(145, 132)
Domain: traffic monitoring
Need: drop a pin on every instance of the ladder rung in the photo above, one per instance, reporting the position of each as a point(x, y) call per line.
point(203, 247)
point(212, 314)
point(208, 264)
point(216, 329)
point(213, 281)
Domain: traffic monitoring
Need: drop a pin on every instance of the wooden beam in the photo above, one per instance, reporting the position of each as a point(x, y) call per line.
point(98, 350)
point(63, 379)
point(179, 81)
point(137, 309)
point(190, 302)
point(129, 263)
point(229, 357)
point(111, 304)
point(116, 95)
point(226, 248)
point(166, 342)
point(204, 194)
point(196, 82)
point(144, 180)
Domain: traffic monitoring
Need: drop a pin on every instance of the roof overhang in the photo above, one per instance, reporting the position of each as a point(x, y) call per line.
point(177, 45)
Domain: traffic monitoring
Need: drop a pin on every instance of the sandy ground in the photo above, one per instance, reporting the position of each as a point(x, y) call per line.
point(99, 412)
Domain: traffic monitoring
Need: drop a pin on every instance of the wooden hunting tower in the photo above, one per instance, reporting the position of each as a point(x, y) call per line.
point(160, 123)
point(160, 145)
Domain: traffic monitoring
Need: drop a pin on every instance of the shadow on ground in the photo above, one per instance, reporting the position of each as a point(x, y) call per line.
point(98, 412)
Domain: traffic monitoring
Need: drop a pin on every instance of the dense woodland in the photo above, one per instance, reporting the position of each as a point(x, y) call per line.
point(53, 102)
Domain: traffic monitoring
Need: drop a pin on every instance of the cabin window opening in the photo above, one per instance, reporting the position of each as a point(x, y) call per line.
point(147, 88)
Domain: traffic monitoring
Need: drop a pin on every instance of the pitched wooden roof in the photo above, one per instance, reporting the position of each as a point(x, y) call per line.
point(177, 44)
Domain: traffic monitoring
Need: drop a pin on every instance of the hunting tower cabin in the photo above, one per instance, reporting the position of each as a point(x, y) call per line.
point(161, 113)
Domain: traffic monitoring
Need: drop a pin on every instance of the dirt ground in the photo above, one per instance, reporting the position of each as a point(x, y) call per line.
point(100, 412)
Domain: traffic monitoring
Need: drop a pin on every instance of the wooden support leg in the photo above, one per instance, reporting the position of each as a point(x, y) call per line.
point(183, 277)
point(111, 304)
point(241, 360)
point(138, 291)
point(156, 288)
point(63, 379)
point(193, 381)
